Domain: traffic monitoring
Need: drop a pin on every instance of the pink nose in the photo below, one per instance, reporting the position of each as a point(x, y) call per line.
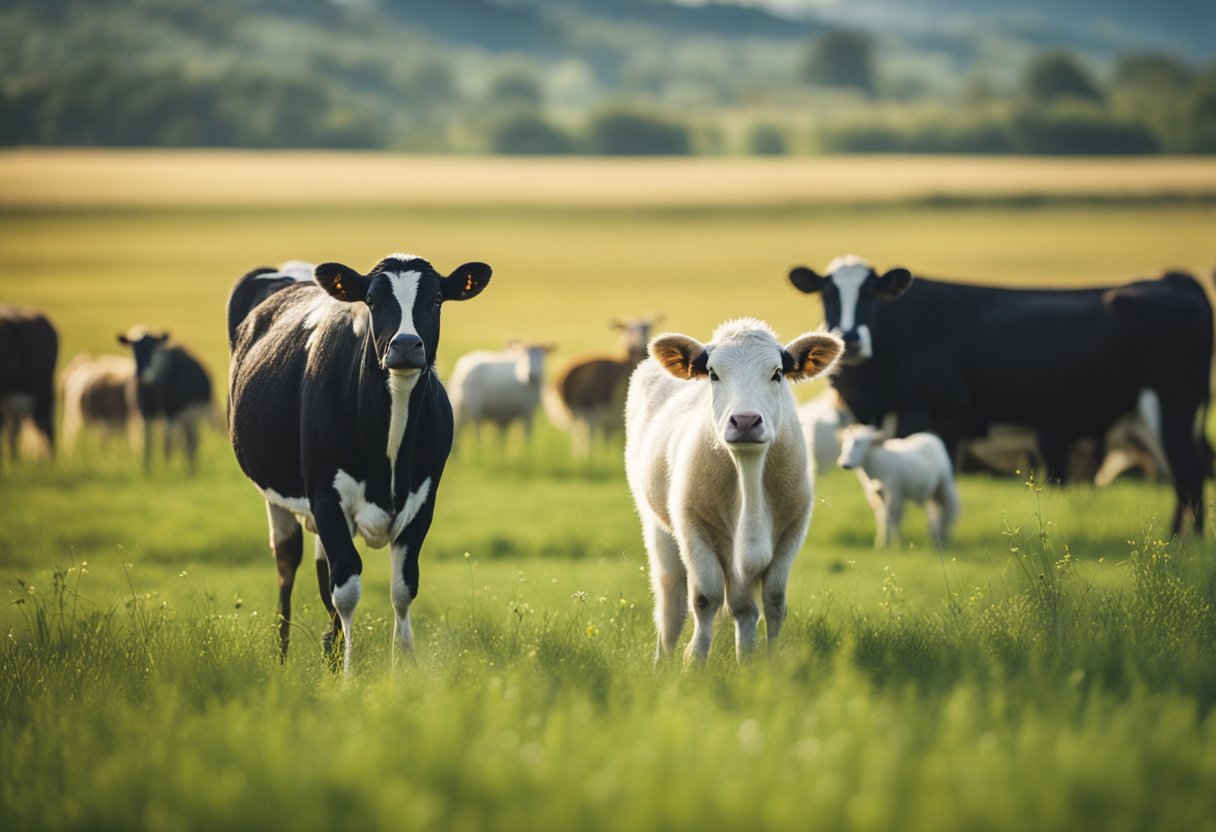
point(745, 426)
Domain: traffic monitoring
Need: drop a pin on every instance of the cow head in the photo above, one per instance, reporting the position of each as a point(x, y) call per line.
point(849, 293)
point(747, 370)
point(855, 443)
point(403, 294)
point(143, 345)
point(635, 332)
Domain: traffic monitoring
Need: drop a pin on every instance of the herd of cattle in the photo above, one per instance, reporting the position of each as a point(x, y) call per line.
point(337, 415)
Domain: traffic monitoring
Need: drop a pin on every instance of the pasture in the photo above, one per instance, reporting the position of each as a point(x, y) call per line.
point(1054, 668)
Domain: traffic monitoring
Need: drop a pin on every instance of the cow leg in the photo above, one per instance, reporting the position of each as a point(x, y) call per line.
point(190, 439)
point(1185, 457)
point(44, 417)
point(746, 612)
point(773, 582)
point(330, 638)
point(1055, 448)
point(669, 582)
point(147, 445)
point(706, 586)
point(345, 566)
point(287, 544)
point(895, 516)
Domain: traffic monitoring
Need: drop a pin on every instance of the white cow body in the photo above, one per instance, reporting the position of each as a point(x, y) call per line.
point(915, 468)
point(500, 387)
point(718, 468)
point(822, 419)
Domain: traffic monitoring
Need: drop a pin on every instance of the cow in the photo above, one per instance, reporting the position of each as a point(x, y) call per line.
point(171, 386)
point(337, 416)
point(29, 347)
point(893, 471)
point(588, 394)
point(822, 419)
point(719, 472)
point(954, 358)
point(500, 387)
point(99, 393)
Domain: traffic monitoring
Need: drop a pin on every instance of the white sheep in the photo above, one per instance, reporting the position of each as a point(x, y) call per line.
point(915, 468)
point(498, 387)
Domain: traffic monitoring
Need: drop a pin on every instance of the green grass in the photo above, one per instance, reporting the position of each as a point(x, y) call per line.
point(1055, 668)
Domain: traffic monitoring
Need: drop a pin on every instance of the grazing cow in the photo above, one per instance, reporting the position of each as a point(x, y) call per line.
point(29, 347)
point(1068, 363)
point(498, 387)
point(338, 417)
point(718, 469)
point(822, 419)
point(915, 468)
point(588, 395)
point(98, 393)
point(172, 386)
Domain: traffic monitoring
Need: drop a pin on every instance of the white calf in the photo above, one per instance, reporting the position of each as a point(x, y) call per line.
point(498, 387)
point(915, 468)
point(718, 469)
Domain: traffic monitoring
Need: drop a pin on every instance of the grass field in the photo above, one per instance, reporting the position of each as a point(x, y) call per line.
point(1054, 669)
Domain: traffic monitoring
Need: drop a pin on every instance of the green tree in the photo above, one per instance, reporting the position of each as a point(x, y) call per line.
point(840, 58)
point(1055, 75)
point(620, 131)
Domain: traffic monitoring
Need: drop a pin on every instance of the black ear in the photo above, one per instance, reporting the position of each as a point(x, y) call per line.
point(160, 339)
point(805, 280)
point(342, 282)
point(894, 283)
point(124, 340)
point(466, 281)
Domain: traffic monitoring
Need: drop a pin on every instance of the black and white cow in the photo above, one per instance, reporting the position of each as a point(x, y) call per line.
point(955, 359)
point(171, 386)
point(29, 347)
point(337, 415)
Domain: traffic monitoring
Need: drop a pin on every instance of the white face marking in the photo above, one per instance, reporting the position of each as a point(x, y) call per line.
point(848, 282)
point(405, 289)
point(744, 356)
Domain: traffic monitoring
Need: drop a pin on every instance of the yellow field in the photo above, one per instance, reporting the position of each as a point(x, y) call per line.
point(98, 178)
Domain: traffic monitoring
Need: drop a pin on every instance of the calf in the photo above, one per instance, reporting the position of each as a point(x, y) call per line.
point(171, 386)
point(588, 395)
point(915, 468)
point(498, 387)
point(338, 417)
point(822, 419)
point(718, 469)
point(98, 393)
point(29, 347)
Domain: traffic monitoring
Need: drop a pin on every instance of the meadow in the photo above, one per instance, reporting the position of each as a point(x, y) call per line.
point(1054, 668)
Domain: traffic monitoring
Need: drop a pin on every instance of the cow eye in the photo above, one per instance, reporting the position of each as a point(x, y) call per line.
point(370, 301)
point(439, 300)
point(712, 375)
point(777, 374)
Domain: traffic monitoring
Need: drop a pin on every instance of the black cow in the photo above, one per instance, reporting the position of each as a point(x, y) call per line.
point(954, 359)
point(29, 347)
point(172, 386)
point(337, 415)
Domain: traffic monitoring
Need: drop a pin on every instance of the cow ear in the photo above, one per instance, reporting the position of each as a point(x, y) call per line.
point(162, 338)
point(680, 355)
point(466, 281)
point(124, 340)
point(894, 283)
point(810, 355)
point(341, 282)
point(806, 280)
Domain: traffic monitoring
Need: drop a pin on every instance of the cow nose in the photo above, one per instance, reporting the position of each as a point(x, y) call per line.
point(851, 339)
point(745, 426)
point(405, 352)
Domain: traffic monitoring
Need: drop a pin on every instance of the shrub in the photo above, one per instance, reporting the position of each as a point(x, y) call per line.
point(625, 132)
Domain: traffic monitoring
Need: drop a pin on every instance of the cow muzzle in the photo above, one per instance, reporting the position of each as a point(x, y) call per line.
point(746, 427)
point(405, 352)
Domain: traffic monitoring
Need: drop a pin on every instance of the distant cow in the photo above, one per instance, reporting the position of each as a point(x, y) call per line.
point(99, 394)
point(822, 419)
point(955, 359)
point(171, 386)
point(718, 469)
point(499, 388)
point(588, 394)
point(29, 347)
point(337, 416)
point(894, 471)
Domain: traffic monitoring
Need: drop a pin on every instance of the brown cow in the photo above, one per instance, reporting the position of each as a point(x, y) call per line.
point(588, 394)
point(99, 394)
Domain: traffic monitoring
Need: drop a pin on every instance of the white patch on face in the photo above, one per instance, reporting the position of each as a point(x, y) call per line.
point(370, 520)
point(744, 355)
point(848, 282)
point(405, 290)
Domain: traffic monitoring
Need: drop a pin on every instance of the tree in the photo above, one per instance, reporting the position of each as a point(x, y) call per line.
point(626, 132)
point(1055, 75)
point(841, 58)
